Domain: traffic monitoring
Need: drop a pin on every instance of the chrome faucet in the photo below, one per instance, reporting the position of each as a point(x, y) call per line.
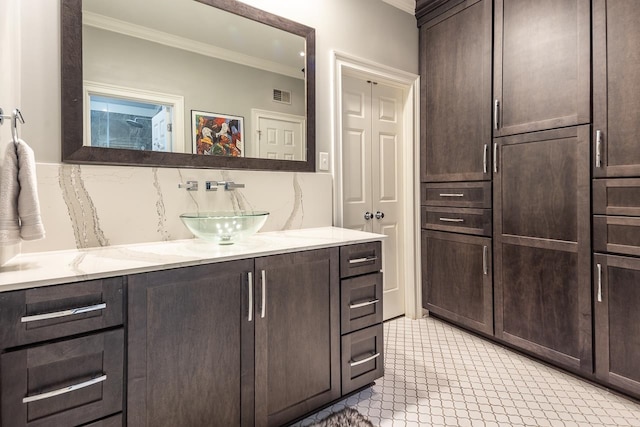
point(228, 185)
point(189, 185)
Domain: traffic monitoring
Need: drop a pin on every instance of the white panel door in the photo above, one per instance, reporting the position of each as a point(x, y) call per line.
point(371, 170)
point(280, 139)
point(160, 134)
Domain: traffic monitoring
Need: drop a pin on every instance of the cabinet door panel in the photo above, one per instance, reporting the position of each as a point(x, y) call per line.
point(456, 279)
point(616, 87)
point(455, 66)
point(542, 245)
point(190, 347)
point(298, 339)
point(617, 321)
point(542, 64)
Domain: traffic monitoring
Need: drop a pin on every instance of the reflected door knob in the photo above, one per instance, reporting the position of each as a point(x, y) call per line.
point(368, 215)
point(379, 215)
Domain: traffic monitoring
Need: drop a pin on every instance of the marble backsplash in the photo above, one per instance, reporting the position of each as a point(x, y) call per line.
point(90, 206)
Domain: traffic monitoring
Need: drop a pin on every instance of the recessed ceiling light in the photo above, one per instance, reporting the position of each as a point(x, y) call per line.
point(301, 53)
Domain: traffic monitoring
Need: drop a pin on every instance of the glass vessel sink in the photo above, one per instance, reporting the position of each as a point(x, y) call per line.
point(222, 227)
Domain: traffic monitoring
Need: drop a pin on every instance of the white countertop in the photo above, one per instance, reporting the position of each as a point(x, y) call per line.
point(49, 268)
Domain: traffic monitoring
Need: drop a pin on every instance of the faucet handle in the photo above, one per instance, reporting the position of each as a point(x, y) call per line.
point(211, 185)
point(230, 185)
point(189, 185)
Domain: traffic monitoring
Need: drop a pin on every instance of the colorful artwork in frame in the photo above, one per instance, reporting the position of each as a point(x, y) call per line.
point(217, 134)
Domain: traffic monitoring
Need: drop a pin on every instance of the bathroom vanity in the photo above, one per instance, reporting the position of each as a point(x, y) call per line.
point(258, 333)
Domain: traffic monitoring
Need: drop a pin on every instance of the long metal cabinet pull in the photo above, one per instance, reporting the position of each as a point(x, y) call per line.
point(598, 148)
point(263, 308)
point(599, 266)
point(364, 304)
point(495, 157)
point(64, 390)
point(250, 310)
point(496, 114)
point(63, 313)
point(485, 157)
point(360, 362)
point(361, 260)
point(451, 195)
point(451, 219)
point(485, 264)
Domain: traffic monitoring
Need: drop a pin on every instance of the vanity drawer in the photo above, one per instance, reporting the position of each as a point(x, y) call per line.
point(113, 421)
point(361, 302)
point(50, 312)
point(457, 220)
point(616, 197)
point(616, 234)
point(362, 358)
point(457, 194)
point(66, 383)
point(361, 258)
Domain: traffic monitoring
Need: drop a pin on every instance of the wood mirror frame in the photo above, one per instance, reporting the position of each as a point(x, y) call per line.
point(73, 150)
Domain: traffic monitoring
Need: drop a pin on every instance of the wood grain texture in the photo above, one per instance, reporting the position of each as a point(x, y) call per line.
point(470, 221)
point(616, 196)
point(371, 250)
point(358, 346)
point(457, 194)
point(618, 235)
point(360, 289)
point(455, 69)
point(542, 59)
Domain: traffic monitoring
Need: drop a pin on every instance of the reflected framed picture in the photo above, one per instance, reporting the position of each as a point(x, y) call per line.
point(216, 134)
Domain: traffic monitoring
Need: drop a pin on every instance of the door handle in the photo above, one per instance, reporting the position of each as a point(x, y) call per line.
point(263, 304)
point(485, 263)
point(250, 310)
point(599, 267)
point(485, 157)
point(368, 216)
point(495, 157)
point(496, 114)
point(379, 215)
point(598, 148)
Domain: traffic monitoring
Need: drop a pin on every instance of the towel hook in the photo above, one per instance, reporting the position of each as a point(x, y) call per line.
point(15, 117)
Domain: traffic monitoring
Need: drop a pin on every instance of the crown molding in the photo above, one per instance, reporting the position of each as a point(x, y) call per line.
point(408, 6)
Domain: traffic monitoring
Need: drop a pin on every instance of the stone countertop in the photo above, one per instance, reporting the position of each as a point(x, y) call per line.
point(49, 268)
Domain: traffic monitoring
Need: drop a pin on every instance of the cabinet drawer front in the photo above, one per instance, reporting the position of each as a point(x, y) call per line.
point(113, 421)
point(459, 195)
point(57, 311)
point(69, 382)
point(457, 220)
point(616, 197)
point(361, 302)
point(362, 358)
point(361, 258)
point(616, 234)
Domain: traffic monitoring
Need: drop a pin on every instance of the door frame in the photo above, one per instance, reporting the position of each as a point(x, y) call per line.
point(342, 64)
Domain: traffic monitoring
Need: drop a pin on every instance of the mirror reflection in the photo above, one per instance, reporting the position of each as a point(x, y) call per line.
point(184, 77)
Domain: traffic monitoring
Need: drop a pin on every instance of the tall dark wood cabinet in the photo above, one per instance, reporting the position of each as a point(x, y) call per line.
point(542, 65)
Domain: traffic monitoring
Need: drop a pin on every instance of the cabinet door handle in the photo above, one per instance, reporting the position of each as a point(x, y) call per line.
point(496, 114)
point(451, 195)
point(451, 219)
point(361, 260)
point(63, 313)
point(64, 390)
point(263, 304)
point(485, 158)
point(599, 267)
point(485, 264)
point(598, 148)
point(495, 157)
point(250, 310)
point(364, 304)
point(353, 363)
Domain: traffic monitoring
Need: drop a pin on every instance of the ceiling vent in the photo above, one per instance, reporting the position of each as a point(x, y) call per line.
point(282, 96)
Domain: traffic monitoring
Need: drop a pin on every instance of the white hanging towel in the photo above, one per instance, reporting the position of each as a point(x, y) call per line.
point(19, 205)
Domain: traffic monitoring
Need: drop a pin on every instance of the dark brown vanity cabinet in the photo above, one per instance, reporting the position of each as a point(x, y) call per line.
point(62, 354)
point(542, 65)
point(455, 65)
point(616, 88)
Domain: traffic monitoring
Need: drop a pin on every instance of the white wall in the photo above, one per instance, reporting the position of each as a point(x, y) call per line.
point(369, 29)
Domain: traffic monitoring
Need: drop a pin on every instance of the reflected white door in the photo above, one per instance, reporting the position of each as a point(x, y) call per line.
point(160, 133)
point(371, 169)
point(281, 138)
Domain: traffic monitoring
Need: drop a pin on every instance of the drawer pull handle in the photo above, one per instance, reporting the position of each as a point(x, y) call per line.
point(451, 195)
point(451, 219)
point(353, 363)
point(361, 260)
point(64, 390)
point(364, 304)
point(64, 313)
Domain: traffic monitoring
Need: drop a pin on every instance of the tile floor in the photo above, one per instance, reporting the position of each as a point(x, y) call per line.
point(438, 375)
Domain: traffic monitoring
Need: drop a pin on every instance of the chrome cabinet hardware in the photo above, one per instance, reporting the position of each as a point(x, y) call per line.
point(599, 267)
point(451, 219)
point(364, 304)
point(485, 263)
point(598, 148)
point(361, 260)
point(211, 186)
point(353, 363)
point(250, 310)
point(451, 195)
point(263, 304)
point(63, 313)
point(189, 185)
point(64, 390)
point(495, 158)
point(368, 216)
point(485, 158)
point(496, 114)
point(379, 215)
point(228, 185)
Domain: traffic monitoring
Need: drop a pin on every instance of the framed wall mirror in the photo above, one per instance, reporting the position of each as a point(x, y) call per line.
point(186, 83)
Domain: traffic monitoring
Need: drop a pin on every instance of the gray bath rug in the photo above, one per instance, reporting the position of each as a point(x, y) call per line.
point(347, 417)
